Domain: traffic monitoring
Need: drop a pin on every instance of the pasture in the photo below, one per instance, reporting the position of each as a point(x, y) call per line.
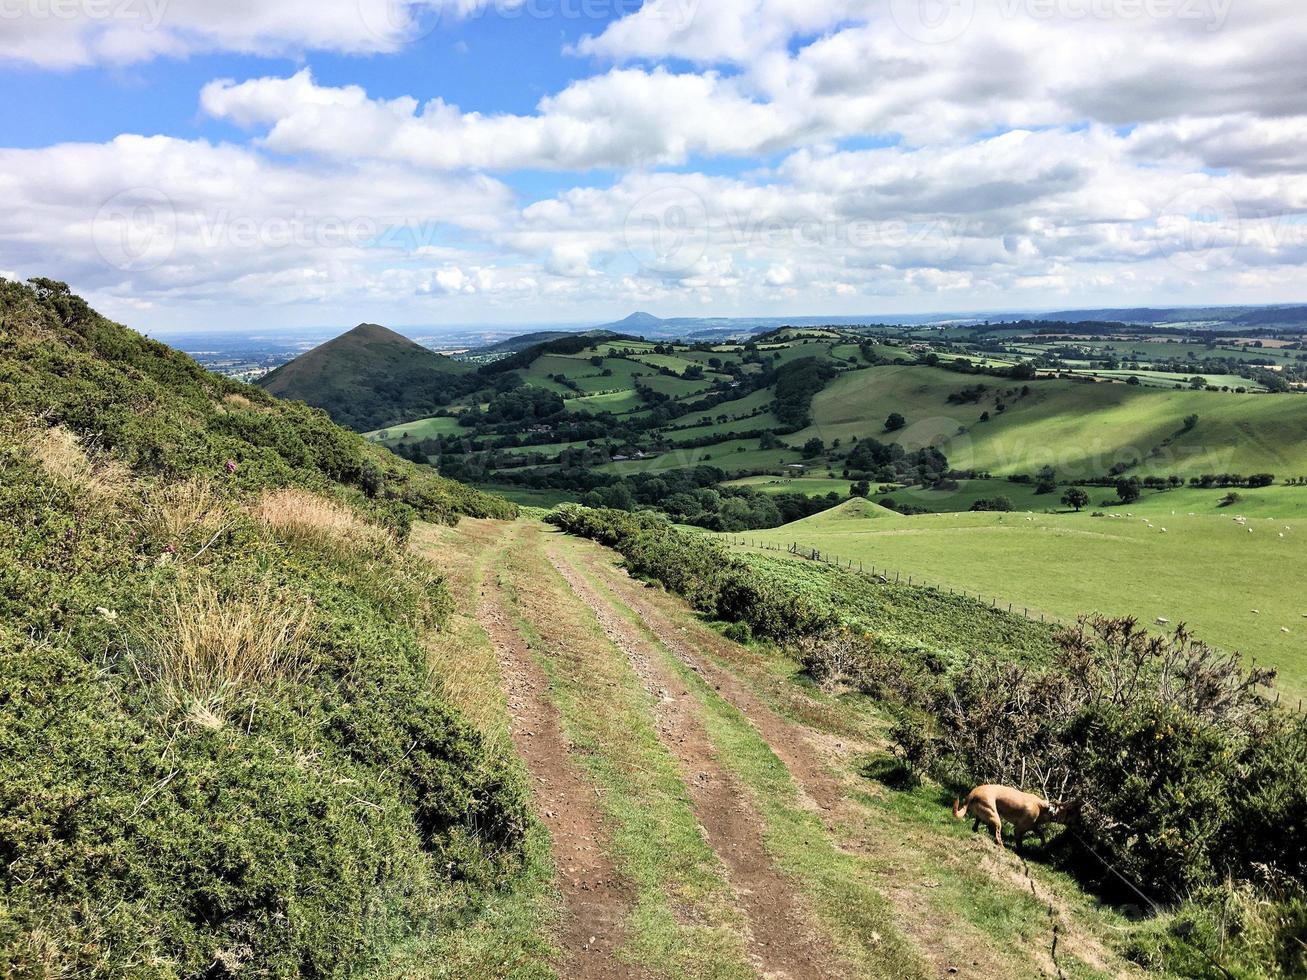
point(1238, 587)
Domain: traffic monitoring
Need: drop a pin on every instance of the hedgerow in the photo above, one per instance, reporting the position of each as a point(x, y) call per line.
point(164, 813)
point(784, 600)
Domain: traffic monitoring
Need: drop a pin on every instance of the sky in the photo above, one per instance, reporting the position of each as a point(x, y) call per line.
point(253, 164)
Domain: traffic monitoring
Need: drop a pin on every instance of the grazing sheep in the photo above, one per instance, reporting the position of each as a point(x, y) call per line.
point(1162, 620)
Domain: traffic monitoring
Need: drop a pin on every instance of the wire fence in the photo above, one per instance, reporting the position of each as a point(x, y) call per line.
point(884, 574)
point(894, 576)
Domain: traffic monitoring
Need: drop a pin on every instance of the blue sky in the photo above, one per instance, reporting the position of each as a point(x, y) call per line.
point(191, 165)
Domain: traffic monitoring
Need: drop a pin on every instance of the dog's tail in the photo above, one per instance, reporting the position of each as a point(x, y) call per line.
point(960, 808)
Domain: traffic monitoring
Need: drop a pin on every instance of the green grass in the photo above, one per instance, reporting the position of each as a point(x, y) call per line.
point(527, 497)
point(814, 486)
point(1079, 428)
point(1022, 495)
point(1167, 379)
point(617, 402)
point(417, 430)
point(734, 456)
point(1204, 570)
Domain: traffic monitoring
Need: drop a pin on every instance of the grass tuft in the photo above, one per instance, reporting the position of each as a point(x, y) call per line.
point(306, 519)
point(206, 646)
point(63, 457)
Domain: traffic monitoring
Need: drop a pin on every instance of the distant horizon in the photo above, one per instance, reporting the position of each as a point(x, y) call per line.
point(408, 329)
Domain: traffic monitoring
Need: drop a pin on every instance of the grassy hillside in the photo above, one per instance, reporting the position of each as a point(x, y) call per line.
point(372, 377)
point(1081, 429)
point(221, 753)
point(1238, 589)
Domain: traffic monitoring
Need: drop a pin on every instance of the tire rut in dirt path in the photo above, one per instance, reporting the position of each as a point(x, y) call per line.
point(785, 738)
point(783, 940)
point(597, 900)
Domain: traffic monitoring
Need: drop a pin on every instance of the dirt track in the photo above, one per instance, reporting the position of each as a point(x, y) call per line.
point(776, 924)
point(596, 900)
point(783, 941)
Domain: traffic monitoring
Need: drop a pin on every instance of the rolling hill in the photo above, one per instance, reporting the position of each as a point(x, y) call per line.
point(1079, 429)
point(370, 377)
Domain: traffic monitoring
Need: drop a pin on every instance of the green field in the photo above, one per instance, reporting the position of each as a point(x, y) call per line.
point(1079, 428)
point(815, 486)
point(1206, 570)
point(419, 429)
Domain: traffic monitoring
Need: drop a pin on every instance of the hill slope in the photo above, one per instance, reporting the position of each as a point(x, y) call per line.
point(1079, 429)
point(370, 377)
point(221, 752)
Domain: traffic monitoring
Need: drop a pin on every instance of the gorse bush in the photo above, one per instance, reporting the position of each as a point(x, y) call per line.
point(786, 600)
point(221, 753)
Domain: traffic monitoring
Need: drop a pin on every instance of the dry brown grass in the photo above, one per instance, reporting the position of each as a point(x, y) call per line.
point(176, 512)
point(236, 401)
point(204, 645)
point(306, 519)
point(63, 457)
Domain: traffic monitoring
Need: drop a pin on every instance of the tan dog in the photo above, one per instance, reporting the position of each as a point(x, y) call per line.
point(991, 805)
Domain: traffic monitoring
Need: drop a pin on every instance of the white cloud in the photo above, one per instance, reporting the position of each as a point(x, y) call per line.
point(620, 119)
point(74, 33)
point(159, 216)
point(1076, 148)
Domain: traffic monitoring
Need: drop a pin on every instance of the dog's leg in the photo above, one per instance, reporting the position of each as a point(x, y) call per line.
point(997, 824)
